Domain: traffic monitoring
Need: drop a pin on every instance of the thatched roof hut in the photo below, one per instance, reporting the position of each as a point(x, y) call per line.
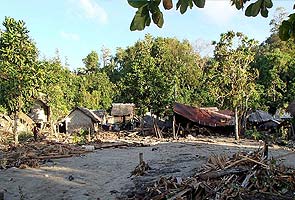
point(122, 112)
point(122, 109)
point(81, 118)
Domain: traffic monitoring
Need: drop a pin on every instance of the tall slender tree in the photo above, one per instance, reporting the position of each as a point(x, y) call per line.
point(234, 77)
point(18, 66)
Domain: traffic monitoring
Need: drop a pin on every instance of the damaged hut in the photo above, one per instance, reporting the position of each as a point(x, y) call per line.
point(40, 113)
point(102, 114)
point(122, 112)
point(5, 123)
point(203, 120)
point(80, 119)
point(262, 120)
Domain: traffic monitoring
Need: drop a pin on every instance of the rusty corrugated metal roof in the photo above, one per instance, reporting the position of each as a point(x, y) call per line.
point(203, 116)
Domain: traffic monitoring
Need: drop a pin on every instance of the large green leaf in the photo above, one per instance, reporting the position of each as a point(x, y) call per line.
point(268, 3)
point(137, 3)
point(141, 19)
point(157, 2)
point(157, 15)
point(248, 11)
point(264, 12)
point(256, 8)
point(183, 5)
point(253, 9)
point(200, 3)
point(158, 19)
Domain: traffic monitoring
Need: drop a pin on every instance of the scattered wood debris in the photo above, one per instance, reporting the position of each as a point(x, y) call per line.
point(242, 176)
point(30, 154)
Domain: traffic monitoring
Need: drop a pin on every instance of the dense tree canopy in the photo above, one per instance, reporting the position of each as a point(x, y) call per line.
point(155, 72)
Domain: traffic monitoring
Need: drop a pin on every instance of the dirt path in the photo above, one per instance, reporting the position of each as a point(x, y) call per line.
point(104, 174)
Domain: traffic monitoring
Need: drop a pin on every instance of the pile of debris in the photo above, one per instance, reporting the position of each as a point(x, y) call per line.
point(30, 154)
point(243, 176)
point(141, 168)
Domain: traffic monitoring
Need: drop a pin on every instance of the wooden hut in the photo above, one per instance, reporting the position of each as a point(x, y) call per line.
point(102, 114)
point(80, 119)
point(122, 112)
point(5, 123)
point(40, 113)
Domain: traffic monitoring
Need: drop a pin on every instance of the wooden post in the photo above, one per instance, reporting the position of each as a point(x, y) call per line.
point(236, 125)
point(265, 150)
point(15, 124)
point(89, 136)
point(140, 158)
point(141, 126)
point(173, 127)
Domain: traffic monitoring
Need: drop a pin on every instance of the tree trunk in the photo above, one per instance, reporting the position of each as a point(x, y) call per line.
point(14, 130)
point(236, 125)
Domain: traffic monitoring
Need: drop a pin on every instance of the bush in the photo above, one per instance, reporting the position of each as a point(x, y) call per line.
point(254, 134)
point(80, 137)
point(24, 136)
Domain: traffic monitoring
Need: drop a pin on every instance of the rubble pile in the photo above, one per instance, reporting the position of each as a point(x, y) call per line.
point(30, 154)
point(242, 176)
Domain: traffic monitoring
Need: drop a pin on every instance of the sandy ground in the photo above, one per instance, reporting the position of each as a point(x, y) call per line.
point(105, 174)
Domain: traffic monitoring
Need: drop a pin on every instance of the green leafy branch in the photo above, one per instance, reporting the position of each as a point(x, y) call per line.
point(149, 10)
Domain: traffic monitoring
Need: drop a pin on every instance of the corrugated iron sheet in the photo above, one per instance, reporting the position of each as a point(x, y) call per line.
point(260, 116)
point(202, 116)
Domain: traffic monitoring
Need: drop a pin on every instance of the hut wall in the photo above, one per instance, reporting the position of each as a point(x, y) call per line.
point(120, 119)
point(5, 124)
point(38, 113)
point(78, 120)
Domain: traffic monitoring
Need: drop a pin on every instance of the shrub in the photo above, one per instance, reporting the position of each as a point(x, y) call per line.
point(254, 134)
